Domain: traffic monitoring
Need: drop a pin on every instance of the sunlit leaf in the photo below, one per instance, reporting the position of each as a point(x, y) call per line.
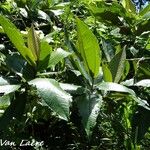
point(88, 48)
point(129, 6)
point(106, 73)
point(34, 43)
point(53, 95)
point(16, 38)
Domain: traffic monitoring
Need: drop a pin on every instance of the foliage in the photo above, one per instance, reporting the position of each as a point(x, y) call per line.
point(75, 74)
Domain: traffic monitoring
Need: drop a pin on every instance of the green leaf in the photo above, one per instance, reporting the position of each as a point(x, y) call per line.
point(88, 48)
point(117, 65)
point(57, 56)
point(16, 38)
point(112, 14)
point(108, 50)
point(89, 106)
point(4, 102)
point(129, 6)
point(3, 81)
point(53, 95)
point(148, 44)
point(76, 61)
point(145, 10)
point(109, 86)
point(106, 73)
point(17, 64)
point(140, 124)
point(45, 51)
point(34, 43)
point(143, 26)
point(15, 110)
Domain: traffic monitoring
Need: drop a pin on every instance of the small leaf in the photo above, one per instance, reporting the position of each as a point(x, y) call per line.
point(106, 73)
point(34, 43)
point(45, 51)
point(57, 56)
point(129, 6)
point(53, 95)
point(88, 48)
point(117, 65)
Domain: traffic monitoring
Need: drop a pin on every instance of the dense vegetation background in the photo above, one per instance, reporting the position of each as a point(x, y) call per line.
point(75, 74)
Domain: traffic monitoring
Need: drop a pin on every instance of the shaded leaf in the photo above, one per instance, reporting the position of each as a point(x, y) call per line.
point(15, 110)
point(17, 64)
point(117, 65)
point(89, 107)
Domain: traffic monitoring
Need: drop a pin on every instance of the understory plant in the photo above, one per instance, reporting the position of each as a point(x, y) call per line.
point(95, 80)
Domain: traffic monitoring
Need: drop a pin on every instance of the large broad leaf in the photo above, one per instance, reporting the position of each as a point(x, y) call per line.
point(57, 56)
point(16, 38)
point(117, 65)
point(15, 110)
point(34, 43)
point(76, 61)
point(109, 86)
point(89, 48)
point(89, 106)
point(53, 95)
